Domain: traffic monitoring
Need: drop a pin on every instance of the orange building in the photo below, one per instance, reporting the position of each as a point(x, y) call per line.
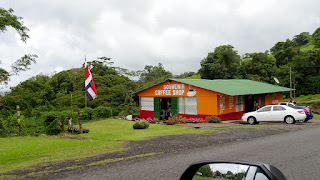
point(199, 98)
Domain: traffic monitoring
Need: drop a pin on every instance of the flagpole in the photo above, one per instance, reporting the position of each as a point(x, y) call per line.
point(85, 96)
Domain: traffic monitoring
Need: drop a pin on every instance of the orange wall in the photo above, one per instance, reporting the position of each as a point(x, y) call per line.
point(226, 104)
point(206, 100)
point(273, 98)
point(207, 105)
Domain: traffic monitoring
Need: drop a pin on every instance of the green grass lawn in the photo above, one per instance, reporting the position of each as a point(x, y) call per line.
point(312, 100)
point(317, 116)
point(104, 136)
point(306, 98)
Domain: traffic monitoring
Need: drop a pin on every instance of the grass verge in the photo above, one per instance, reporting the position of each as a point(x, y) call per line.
point(104, 137)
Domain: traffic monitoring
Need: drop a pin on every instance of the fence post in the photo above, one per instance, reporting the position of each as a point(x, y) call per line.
point(18, 120)
point(79, 119)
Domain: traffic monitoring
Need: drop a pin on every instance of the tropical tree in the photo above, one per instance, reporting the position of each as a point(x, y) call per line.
point(151, 73)
point(316, 38)
point(8, 19)
point(306, 72)
point(223, 63)
point(205, 171)
point(284, 52)
point(302, 38)
point(261, 67)
point(185, 75)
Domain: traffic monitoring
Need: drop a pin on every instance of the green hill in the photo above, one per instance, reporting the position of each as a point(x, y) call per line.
point(307, 47)
point(196, 76)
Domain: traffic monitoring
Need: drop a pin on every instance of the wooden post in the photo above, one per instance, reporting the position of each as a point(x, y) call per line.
point(18, 120)
point(79, 119)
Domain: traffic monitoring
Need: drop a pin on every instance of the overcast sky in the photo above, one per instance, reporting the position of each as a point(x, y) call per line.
point(135, 33)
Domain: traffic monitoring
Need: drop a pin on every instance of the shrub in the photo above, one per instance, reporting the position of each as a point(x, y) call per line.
point(61, 115)
point(173, 120)
point(141, 124)
point(9, 126)
point(213, 119)
point(115, 111)
point(53, 128)
point(31, 126)
point(87, 114)
point(104, 112)
point(122, 113)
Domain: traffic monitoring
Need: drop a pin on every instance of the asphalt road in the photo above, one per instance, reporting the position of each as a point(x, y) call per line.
point(296, 154)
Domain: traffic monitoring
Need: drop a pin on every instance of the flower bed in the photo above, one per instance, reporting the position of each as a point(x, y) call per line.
point(175, 119)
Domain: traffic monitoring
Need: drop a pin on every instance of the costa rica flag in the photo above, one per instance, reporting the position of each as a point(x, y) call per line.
point(90, 88)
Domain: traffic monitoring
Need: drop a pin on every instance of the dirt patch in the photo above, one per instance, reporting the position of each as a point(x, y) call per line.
point(233, 131)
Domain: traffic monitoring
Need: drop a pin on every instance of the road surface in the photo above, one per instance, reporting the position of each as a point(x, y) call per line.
point(296, 154)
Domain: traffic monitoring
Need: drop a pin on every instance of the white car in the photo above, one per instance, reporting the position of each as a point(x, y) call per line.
point(275, 113)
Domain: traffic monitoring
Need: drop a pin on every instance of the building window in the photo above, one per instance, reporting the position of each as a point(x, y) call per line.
point(239, 103)
point(187, 105)
point(147, 103)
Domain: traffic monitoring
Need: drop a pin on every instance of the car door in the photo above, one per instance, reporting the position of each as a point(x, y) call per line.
point(278, 113)
point(263, 113)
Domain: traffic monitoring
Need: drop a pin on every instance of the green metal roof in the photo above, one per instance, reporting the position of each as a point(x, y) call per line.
point(234, 87)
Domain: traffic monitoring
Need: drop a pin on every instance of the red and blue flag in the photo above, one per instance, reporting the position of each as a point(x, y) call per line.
point(90, 88)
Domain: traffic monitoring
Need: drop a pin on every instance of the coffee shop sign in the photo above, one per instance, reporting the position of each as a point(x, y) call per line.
point(175, 90)
point(171, 89)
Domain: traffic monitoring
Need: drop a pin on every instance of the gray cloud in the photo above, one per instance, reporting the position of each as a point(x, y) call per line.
point(136, 33)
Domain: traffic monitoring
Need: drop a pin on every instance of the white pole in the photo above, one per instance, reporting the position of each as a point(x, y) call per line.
point(85, 96)
point(290, 85)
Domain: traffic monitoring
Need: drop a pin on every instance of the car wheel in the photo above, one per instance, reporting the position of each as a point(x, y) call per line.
point(306, 120)
point(252, 120)
point(289, 120)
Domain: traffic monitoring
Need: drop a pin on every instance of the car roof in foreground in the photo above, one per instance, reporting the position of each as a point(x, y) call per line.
point(285, 106)
point(275, 105)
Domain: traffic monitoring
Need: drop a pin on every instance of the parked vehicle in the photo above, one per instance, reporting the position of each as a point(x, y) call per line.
point(275, 113)
point(306, 109)
point(221, 169)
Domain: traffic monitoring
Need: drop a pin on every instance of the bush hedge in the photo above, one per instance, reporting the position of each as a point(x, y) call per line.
point(40, 123)
point(141, 124)
point(53, 128)
point(104, 112)
point(87, 114)
point(213, 119)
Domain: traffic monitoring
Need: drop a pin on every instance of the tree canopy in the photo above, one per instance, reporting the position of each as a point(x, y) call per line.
point(8, 19)
point(261, 67)
point(151, 73)
point(65, 90)
point(223, 63)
